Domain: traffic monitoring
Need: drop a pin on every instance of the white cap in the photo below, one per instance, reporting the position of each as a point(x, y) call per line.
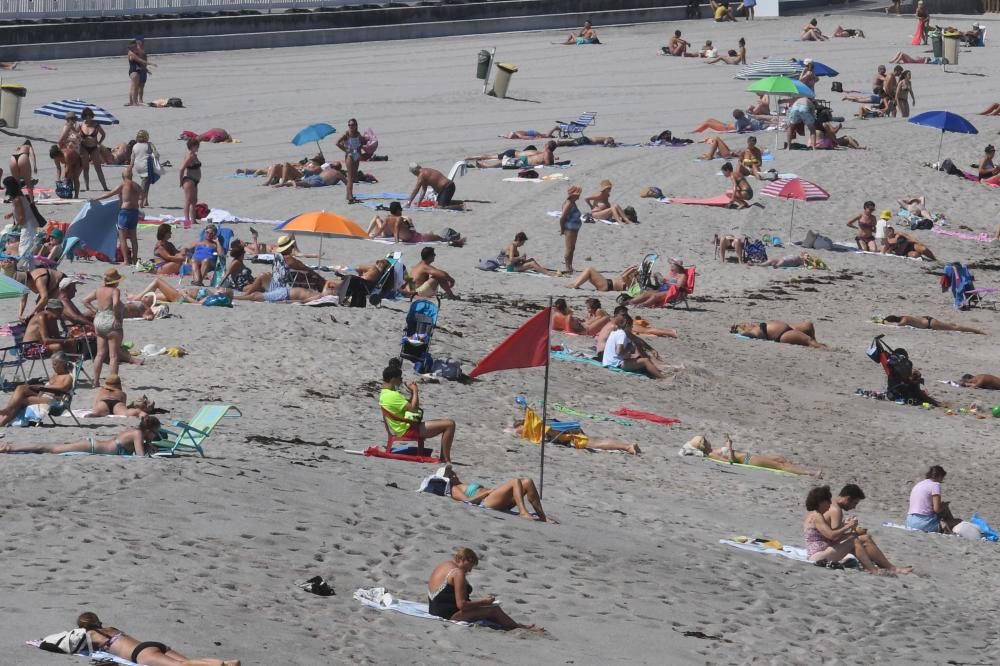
point(325, 165)
point(807, 61)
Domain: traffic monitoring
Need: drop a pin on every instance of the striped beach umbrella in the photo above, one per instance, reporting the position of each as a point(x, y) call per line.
point(796, 189)
point(761, 69)
point(61, 108)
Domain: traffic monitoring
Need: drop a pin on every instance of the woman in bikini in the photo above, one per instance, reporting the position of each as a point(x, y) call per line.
point(741, 193)
point(350, 142)
point(134, 441)
point(563, 319)
point(751, 159)
point(808, 76)
point(901, 57)
point(601, 207)
point(147, 653)
point(700, 446)
point(168, 258)
point(866, 224)
point(904, 94)
point(987, 169)
point(620, 282)
point(448, 595)
point(991, 110)
point(69, 167)
point(903, 245)
point(515, 263)
point(812, 33)
point(24, 166)
point(190, 173)
point(515, 494)
point(91, 137)
point(930, 323)
point(111, 400)
point(801, 333)
point(823, 542)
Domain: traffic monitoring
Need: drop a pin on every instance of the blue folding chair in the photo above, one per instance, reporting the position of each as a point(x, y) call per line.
point(568, 129)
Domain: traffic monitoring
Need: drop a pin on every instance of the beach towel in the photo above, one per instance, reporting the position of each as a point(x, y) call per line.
point(963, 235)
point(569, 356)
point(394, 196)
point(96, 657)
point(719, 201)
point(745, 466)
point(767, 157)
point(543, 179)
point(762, 547)
point(379, 599)
point(376, 452)
point(646, 416)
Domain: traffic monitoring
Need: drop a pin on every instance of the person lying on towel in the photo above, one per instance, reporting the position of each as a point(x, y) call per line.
point(507, 496)
point(700, 446)
point(530, 427)
point(134, 441)
point(800, 333)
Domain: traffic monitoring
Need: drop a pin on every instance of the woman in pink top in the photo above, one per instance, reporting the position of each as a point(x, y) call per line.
point(926, 509)
point(824, 543)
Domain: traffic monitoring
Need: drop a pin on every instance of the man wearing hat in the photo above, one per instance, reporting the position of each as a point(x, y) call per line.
point(443, 186)
point(72, 314)
point(43, 328)
point(865, 223)
point(285, 271)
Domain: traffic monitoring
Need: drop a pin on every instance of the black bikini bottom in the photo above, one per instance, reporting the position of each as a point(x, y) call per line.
point(145, 645)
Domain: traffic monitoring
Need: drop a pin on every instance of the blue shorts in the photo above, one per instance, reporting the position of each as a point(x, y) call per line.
point(128, 219)
point(276, 295)
point(802, 114)
point(314, 181)
point(924, 523)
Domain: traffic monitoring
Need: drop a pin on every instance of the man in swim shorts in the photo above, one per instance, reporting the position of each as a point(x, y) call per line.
point(427, 278)
point(437, 181)
point(130, 193)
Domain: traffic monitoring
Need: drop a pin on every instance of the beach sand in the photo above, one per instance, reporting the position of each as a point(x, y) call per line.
point(202, 553)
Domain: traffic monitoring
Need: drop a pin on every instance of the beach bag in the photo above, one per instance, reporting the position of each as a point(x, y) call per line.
point(352, 292)
point(67, 642)
point(754, 251)
point(631, 214)
point(528, 173)
point(151, 174)
point(448, 368)
point(64, 189)
point(921, 224)
point(488, 265)
point(988, 532)
point(450, 235)
point(837, 86)
point(651, 192)
point(949, 167)
point(218, 300)
point(175, 102)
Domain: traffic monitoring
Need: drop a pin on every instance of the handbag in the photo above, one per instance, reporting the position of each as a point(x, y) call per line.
point(67, 642)
point(153, 167)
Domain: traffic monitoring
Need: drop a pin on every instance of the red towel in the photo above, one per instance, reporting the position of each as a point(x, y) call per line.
point(382, 453)
point(646, 416)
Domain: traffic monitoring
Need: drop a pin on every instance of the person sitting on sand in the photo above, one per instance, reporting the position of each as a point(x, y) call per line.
point(880, 106)
point(699, 446)
point(905, 59)
point(620, 353)
point(597, 318)
point(134, 441)
point(330, 173)
point(847, 500)
point(741, 192)
point(399, 406)
point(992, 110)
point(737, 57)
point(238, 275)
point(678, 47)
point(53, 393)
point(444, 187)
point(667, 289)
point(576, 439)
point(926, 511)
point(752, 159)
point(812, 33)
point(427, 279)
point(601, 207)
point(563, 319)
point(827, 138)
point(742, 123)
point(991, 382)
point(515, 263)
point(928, 323)
point(866, 224)
point(167, 257)
point(640, 327)
point(903, 245)
point(448, 595)
point(721, 11)
point(148, 653)
point(110, 400)
point(848, 32)
point(510, 495)
point(621, 282)
point(587, 35)
point(826, 544)
point(987, 169)
point(205, 253)
point(800, 333)
point(762, 107)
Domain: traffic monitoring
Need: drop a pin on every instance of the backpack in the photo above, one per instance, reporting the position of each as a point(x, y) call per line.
point(175, 102)
point(488, 265)
point(922, 223)
point(64, 189)
point(450, 235)
point(754, 251)
point(448, 368)
point(352, 292)
point(900, 364)
point(67, 642)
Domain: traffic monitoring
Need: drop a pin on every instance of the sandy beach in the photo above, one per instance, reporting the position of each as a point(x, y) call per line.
point(203, 553)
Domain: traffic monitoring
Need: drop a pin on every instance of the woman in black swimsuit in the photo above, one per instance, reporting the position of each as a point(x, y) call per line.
point(147, 653)
point(190, 173)
point(801, 333)
point(138, 70)
point(930, 323)
point(91, 137)
point(111, 399)
point(448, 594)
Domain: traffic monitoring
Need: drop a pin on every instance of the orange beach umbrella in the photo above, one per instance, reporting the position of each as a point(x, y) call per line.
point(323, 224)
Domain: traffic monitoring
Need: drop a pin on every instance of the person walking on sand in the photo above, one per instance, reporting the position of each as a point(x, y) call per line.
point(433, 179)
point(351, 143)
point(570, 221)
point(107, 323)
point(129, 192)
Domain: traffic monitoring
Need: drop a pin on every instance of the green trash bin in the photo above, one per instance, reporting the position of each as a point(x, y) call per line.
point(11, 95)
point(935, 37)
point(483, 67)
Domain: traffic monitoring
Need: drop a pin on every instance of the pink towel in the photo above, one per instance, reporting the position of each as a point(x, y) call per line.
point(721, 200)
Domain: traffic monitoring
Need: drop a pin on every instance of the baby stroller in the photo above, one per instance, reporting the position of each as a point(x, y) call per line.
point(390, 281)
point(903, 383)
point(416, 343)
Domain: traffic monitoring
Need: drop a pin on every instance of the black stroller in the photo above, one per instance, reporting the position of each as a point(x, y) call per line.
point(903, 383)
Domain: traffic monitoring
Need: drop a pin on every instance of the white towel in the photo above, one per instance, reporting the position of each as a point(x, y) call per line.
point(379, 599)
point(791, 552)
point(98, 656)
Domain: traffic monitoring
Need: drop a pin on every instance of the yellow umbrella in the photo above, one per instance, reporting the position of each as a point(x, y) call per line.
point(321, 223)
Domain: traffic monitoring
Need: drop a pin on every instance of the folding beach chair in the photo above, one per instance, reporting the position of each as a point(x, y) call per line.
point(412, 434)
point(682, 291)
point(21, 353)
point(568, 129)
point(193, 434)
point(67, 249)
point(67, 400)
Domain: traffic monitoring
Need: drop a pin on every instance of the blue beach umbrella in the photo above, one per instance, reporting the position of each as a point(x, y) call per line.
point(61, 108)
point(819, 69)
point(946, 121)
point(94, 225)
point(314, 132)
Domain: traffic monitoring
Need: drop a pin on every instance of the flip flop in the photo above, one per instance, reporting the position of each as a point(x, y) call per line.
point(316, 585)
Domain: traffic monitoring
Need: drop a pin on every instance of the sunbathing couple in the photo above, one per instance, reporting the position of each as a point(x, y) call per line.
point(598, 322)
point(400, 228)
point(903, 245)
point(512, 159)
point(749, 160)
point(309, 172)
point(555, 133)
point(801, 333)
point(624, 351)
point(699, 446)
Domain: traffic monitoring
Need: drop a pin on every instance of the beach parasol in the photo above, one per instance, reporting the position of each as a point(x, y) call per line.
point(61, 108)
point(761, 69)
point(796, 189)
point(323, 224)
point(780, 86)
point(11, 288)
point(313, 133)
point(946, 122)
point(94, 225)
point(819, 69)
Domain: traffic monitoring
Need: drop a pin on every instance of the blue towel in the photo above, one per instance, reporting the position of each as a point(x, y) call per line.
point(563, 356)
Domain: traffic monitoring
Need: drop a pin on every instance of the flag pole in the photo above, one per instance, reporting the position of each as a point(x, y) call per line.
point(545, 400)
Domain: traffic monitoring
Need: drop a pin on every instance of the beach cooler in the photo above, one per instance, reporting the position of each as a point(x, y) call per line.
point(11, 95)
point(504, 72)
point(951, 47)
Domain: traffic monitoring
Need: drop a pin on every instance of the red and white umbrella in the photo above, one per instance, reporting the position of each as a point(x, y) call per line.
point(796, 189)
